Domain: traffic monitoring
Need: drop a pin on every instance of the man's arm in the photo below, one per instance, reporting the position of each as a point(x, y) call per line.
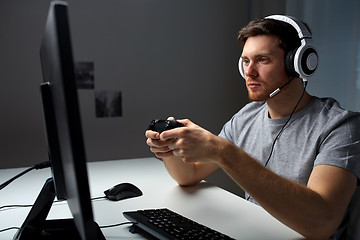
point(315, 210)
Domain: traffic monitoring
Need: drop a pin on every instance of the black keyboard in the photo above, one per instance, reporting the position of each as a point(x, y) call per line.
point(166, 224)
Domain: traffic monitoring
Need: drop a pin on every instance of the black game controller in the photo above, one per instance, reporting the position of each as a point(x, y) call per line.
point(159, 126)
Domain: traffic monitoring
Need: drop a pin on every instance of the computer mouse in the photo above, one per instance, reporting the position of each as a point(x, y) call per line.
point(122, 191)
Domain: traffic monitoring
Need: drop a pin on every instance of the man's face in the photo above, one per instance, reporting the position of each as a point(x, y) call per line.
point(264, 66)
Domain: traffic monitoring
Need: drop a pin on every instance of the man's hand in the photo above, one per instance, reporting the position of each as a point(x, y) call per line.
point(187, 152)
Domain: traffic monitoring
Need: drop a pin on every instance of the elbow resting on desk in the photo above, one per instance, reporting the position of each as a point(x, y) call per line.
point(188, 174)
point(187, 184)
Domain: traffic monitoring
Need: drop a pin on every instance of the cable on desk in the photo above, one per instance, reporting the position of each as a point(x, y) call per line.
point(106, 226)
point(115, 225)
point(9, 228)
point(36, 166)
point(15, 206)
point(98, 198)
point(23, 205)
point(30, 205)
point(95, 198)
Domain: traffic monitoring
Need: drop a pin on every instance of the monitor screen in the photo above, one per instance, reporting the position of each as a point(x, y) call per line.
point(63, 126)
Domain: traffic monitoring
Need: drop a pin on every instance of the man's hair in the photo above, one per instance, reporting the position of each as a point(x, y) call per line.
point(289, 38)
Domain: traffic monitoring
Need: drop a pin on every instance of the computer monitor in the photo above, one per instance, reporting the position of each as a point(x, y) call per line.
point(64, 138)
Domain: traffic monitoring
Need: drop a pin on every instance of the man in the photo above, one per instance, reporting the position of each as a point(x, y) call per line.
point(296, 155)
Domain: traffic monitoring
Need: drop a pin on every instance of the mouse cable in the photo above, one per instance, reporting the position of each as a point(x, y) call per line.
point(116, 225)
point(36, 166)
point(98, 198)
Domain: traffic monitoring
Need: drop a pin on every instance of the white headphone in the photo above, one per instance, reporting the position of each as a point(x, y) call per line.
point(302, 61)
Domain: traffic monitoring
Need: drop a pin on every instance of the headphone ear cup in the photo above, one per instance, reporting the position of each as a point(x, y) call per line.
point(290, 63)
point(308, 61)
point(241, 67)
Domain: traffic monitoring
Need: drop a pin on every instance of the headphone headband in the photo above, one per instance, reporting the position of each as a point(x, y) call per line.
point(303, 31)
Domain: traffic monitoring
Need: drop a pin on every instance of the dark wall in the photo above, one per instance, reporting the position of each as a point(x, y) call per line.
point(166, 57)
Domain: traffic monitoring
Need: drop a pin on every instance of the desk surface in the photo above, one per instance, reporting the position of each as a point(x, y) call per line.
point(205, 203)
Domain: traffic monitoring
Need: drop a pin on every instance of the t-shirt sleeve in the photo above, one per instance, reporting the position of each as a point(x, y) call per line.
point(226, 131)
point(341, 146)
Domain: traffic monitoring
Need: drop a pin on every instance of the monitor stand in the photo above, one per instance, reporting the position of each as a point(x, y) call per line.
point(36, 226)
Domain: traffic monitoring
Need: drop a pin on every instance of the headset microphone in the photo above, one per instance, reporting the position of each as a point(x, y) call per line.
point(278, 89)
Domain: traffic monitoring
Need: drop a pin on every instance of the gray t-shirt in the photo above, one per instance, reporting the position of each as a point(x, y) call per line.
point(321, 133)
